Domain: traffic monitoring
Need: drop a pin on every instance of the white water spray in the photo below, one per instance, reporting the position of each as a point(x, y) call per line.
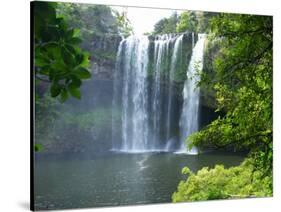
point(191, 94)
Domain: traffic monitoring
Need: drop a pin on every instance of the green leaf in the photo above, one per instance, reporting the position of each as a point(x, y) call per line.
point(40, 62)
point(74, 91)
point(55, 89)
point(83, 73)
point(51, 74)
point(85, 62)
point(186, 170)
point(38, 147)
point(71, 49)
point(63, 95)
point(79, 58)
point(69, 34)
point(51, 45)
point(75, 41)
point(76, 33)
point(57, 51)
point(76, 81)
point(66, 56)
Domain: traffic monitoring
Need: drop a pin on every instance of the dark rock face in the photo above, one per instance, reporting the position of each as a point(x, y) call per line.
point(103, 56)
point(102, 72)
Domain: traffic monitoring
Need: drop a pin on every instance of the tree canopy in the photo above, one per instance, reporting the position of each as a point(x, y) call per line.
point(166, 25)
point(242, 81)
point(187, 21)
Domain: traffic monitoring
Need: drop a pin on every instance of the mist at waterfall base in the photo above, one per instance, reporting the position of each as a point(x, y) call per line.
point(117, 145)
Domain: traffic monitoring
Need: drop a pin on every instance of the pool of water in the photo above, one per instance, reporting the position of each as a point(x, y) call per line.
point(115, 178)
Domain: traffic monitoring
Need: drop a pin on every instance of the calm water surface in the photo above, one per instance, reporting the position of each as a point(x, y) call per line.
point(115, 179)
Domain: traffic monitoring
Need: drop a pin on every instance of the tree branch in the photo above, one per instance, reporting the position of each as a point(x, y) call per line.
point(42, 79)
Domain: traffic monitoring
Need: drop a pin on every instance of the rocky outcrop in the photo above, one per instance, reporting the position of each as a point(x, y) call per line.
point(103, 56)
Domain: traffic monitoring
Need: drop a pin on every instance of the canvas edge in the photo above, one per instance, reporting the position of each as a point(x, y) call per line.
point(31, 107)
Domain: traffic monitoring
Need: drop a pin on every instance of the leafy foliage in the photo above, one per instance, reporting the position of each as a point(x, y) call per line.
point(91, 20)
point(243, 84)
point(58, 57)
point(101, 28)
point(220, 183)
point(38, 147)
point(166, 25)
point(242, 81)
point(191, 21)
point(187, 22)
point(124, 24)
point(195, 21)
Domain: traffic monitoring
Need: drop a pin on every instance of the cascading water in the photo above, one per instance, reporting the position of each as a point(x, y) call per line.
point(134, 95)
point(116, 87)
point(144, 93)
point(161, 51)
point(177, 50)
point(189, 115)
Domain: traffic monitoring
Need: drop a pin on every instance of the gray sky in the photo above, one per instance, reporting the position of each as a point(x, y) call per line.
point(143, 19)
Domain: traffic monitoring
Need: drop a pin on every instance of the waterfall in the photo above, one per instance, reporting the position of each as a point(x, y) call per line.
point(189, 115)
point(175, 58)
point(144, 93)
point(116, 96)
point(161, 50)
point(134, 95)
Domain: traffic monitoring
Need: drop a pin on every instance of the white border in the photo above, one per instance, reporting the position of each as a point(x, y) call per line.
point(14, 90)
